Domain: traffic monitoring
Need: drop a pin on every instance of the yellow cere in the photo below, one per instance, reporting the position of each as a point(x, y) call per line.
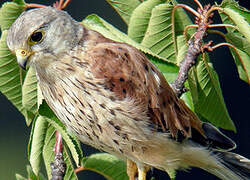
point(21, 52)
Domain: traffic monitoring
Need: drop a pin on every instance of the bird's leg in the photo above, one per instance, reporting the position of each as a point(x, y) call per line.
point(142, 173)
point(131, 169)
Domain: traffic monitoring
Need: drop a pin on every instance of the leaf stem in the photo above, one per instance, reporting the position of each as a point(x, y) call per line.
point(213, 8)
point(58, 167)
point(65, 4)
point(184, 6)
point(61, 5)
point(81, 168)
point(219, 33)
point(173, 20)
point(222, 25)
point(35, 5)
point(188, 27)
point(199, 4)
point(234, 48)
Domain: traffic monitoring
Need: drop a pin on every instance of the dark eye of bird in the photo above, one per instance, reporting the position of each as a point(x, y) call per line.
point(37, 36)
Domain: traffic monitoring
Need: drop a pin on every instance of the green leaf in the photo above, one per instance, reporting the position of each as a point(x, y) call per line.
point(29, 94)
point(31, 174)
point(107, 165)
point(139, 20)
point(207, 96)
point(124, 8)
point(169, 70)
point(9, 12)
point(242, 59)
point(182, 48)
point(20, 2)
point(187, 97)
point(181, 20)
point(19, 177)
point(29, 89)
point(240, 22)
point(96, 23)
point(188, 100)
point(236, 15)
point(37, 142)
point(48, 149)
point(48, 155)
point(70, 140)
point(158, 37)
point(11, 76)
point(238, 41)
point(172, 174)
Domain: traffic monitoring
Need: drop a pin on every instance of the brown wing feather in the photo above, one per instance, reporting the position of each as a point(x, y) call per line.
point(128, 73)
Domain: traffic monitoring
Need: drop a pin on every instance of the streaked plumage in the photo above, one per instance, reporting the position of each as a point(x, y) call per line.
point(114, 99)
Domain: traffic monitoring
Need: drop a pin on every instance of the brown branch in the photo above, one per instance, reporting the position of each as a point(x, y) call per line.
point(58, 167)
point(194, 49)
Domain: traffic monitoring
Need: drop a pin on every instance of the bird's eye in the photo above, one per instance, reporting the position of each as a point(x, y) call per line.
point(36, 37)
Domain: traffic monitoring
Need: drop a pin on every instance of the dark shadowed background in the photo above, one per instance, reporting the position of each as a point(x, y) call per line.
point(14, 134)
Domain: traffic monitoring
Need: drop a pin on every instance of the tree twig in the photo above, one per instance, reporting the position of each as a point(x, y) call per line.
point(194, 49)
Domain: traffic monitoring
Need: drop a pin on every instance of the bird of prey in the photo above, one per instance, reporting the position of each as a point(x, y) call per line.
point(113, 98)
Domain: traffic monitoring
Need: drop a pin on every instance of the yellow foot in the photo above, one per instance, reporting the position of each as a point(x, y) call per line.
point(131, 170)
point(136, 170)
point(142, 173)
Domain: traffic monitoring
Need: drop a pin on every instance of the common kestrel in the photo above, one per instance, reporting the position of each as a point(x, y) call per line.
point(114, 99)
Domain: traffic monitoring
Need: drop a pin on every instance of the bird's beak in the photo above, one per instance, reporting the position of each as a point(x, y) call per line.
point(22, 57)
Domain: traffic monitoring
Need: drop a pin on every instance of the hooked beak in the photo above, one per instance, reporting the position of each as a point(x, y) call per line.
point(22, 57)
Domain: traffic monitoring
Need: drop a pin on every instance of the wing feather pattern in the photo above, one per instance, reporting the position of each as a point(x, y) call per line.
point(128, 73)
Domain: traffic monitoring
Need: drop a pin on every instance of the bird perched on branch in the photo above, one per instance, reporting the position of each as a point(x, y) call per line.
point(114, 99)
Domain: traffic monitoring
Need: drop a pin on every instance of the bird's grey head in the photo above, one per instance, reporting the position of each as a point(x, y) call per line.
point(42, 31)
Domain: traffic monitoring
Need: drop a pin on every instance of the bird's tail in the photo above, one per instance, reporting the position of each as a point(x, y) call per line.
point(231, 166)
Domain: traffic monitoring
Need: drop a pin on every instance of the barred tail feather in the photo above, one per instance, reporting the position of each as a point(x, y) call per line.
point(231, 166)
